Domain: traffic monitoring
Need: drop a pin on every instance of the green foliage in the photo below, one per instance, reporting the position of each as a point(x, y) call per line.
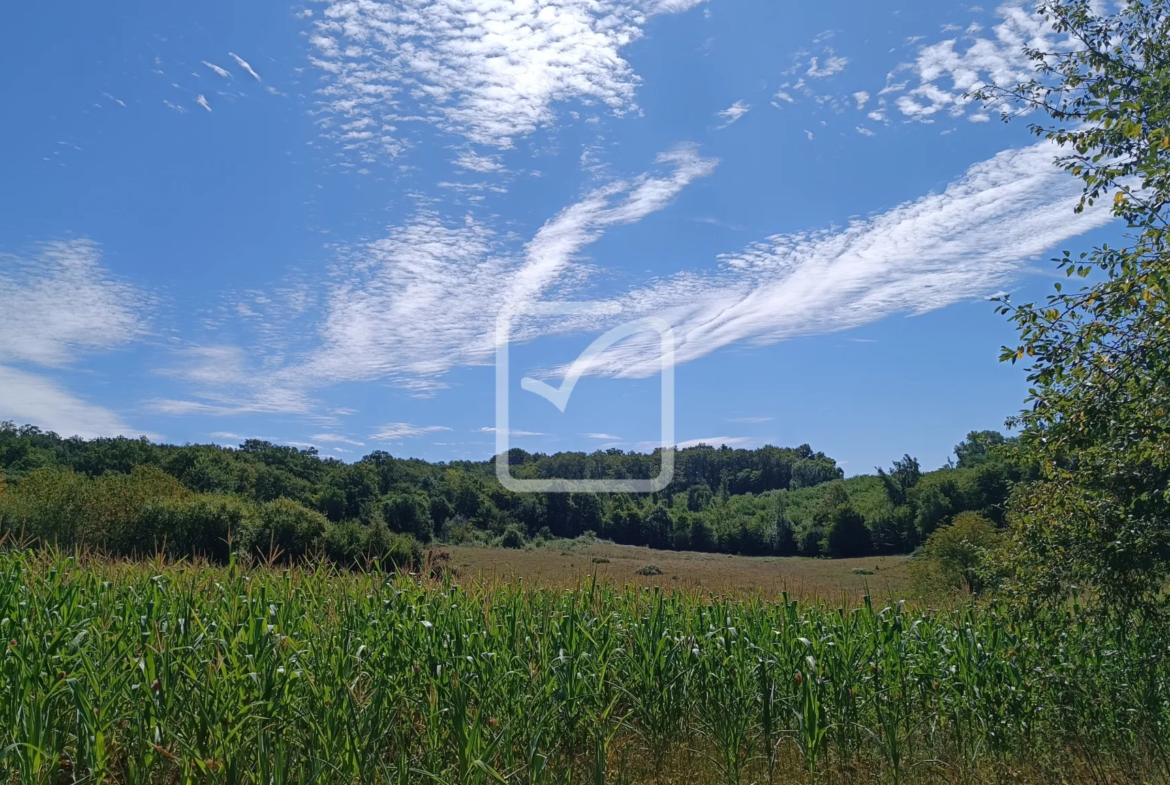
point(754, 511)
point(814, 471)
point(345, 543)
point(966, 555)
point(409, 513)
point(698, 497)
point(140, 674)
point(512, 537)
point(202, 525)
point(846, 534)
point(285, 530)
point(904, 475)
point(979, 447)
point(351, 544)
point(67, 509)
point(1097, 520)
point(397, 551)
point(810, 540)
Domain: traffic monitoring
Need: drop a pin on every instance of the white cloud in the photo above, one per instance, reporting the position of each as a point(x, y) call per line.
point(243, 64)
point(203, 102)
point(412, 305)
point(420, 301)
point(511, 432)
point(176, 107)
point(333, 438)
point(221, 71)
point(468, 159)
point(394, 431)
point(946, 247)
point(489, 70)
point(54, 307)
point(952, 68)
point(864, 131)
point(751, 420)
point(34, 399)
point(62, 301)
point(734, 112)
point(833, 65)
point(862, 98)
point(605, 437)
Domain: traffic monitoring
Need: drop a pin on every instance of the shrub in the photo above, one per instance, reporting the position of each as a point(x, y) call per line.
point(847, 535)
point(649, 569)
point(285, 529)
point(512, 538)
point(810, 540)
point(398, 551)
point(961, 555)
point(459, 531)
point(199, 525)
point(69, 509)
point(46, 505)
point(343, 543)
point(349, 544)
point(409, 513)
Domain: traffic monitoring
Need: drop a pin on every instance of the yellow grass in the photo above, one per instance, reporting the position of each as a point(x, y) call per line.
point(569, 564)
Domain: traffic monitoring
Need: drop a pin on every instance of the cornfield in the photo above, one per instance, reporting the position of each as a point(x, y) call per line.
point(137, 673)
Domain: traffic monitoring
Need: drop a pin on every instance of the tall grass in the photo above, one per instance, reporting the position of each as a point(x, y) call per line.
point(150, 673)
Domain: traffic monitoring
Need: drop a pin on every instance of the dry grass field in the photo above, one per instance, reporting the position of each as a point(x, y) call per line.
point(567, 564)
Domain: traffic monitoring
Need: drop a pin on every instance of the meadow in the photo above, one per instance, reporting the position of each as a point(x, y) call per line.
point(568, 564)
point(140, 673)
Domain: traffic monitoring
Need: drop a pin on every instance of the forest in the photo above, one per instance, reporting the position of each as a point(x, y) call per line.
point(132, 497)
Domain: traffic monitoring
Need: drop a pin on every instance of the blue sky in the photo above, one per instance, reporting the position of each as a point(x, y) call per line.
point(299, 222)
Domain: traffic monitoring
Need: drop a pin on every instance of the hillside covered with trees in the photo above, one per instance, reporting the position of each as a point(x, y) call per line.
point(134, 497)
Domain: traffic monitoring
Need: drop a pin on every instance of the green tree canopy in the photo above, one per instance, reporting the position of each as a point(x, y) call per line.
point(1098, 355)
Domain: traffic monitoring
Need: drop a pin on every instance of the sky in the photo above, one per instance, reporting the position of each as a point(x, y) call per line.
point(302, 222)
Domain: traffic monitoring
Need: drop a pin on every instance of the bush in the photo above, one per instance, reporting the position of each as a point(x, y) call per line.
point(199, 525)
point(810, 540)
point(285, 530)
point(399, 551)
point(343, 543)
point(649, 569)
point(459, 531)
point(960, 556)
point(349, 544)
point(63, 507)
point(512, 538)
point(409, 513)
point(847, 535)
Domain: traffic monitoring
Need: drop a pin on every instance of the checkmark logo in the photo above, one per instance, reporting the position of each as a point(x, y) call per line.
point(588, 362)
point(559, 396)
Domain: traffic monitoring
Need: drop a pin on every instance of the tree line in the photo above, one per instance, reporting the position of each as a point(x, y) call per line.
point(134, 497)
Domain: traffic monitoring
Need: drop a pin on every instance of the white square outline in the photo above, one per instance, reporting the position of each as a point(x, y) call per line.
point(503, 466)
